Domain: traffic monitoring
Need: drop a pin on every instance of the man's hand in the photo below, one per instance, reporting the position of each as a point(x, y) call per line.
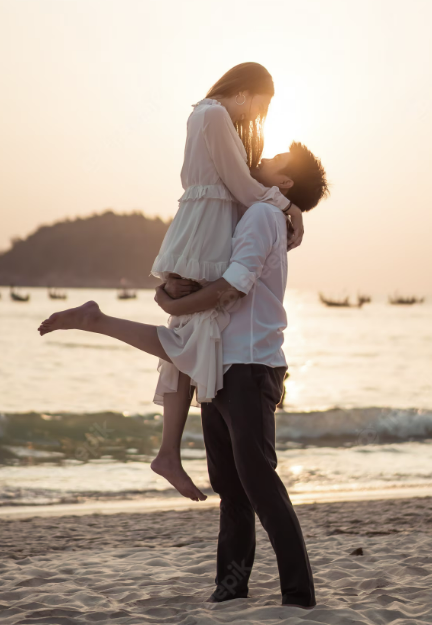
point(163, 299)
point(176, 286)
point(294, 227)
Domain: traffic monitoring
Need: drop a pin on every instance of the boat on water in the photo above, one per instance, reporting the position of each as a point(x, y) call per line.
point(397, 300)
point(125, 291)
point(365, 299)
point(126, 294)
point(56, 294)
point(341, 303)
point(17, 297)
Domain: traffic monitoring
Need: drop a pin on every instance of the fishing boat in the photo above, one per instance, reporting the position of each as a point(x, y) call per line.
point(126, 294)
point(17, 297)
point(364, 299)
point(56, 294)
point(341, 303)
point(125, 291)
point(397, 300)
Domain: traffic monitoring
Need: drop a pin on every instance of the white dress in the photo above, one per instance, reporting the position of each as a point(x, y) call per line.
point(197, 245)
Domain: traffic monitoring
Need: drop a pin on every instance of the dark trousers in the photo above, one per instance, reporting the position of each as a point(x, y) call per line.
point(239, 435)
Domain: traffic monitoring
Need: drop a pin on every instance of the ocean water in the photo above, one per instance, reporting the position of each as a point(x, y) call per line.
point(357, 414)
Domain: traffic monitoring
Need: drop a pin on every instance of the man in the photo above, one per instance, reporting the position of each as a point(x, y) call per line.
point(239, 425)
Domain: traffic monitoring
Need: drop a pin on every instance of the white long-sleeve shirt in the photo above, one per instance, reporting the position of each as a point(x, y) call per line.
point(258, 267)
point(216, 180)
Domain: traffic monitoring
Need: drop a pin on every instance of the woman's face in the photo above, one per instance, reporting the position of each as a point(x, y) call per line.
point(258, 106)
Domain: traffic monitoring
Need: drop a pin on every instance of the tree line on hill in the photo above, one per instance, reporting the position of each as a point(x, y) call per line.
point(97, 251)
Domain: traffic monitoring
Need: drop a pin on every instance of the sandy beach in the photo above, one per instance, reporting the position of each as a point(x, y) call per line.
point(371, 560)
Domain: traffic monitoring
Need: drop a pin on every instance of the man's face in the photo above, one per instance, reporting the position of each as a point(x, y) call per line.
point(269, 173)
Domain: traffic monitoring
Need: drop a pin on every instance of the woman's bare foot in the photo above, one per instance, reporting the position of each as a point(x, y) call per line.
point(80, 318)
point(171, 469)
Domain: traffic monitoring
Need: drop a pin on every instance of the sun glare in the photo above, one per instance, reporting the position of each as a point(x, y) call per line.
point(284, 124)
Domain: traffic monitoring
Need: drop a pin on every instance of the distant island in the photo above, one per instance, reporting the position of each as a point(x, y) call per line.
point(97, 251)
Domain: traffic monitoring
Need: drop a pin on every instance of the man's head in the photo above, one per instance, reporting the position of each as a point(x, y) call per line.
point(298, 174)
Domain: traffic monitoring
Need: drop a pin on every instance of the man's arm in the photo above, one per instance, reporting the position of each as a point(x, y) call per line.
point(252, 243)
point(206, 298)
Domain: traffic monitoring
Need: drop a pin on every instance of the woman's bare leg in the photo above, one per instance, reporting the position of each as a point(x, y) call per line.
point(168, 461)
point(90, 318)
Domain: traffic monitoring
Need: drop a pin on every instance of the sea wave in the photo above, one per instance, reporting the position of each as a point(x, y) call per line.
point(355, 426)
point(74, 458)
point(84, 436)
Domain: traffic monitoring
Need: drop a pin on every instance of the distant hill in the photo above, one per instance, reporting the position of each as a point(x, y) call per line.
point(96, 251)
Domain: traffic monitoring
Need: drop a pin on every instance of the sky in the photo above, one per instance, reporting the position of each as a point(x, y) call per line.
point(95, 95)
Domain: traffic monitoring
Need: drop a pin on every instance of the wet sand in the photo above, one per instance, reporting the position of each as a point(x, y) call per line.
point(372, 564)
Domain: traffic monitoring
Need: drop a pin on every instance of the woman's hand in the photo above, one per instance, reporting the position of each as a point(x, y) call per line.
point(176, 286)
point(163, 299)
point(294, 227)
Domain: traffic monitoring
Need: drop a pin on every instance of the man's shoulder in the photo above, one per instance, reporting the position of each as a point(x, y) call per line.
point(264, 208)
point(263, 212)
point(262, 221)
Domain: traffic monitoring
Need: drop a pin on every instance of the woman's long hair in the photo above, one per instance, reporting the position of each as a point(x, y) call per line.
point(254, 78)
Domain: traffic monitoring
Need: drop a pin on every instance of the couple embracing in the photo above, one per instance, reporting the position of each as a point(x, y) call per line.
point(223, 264)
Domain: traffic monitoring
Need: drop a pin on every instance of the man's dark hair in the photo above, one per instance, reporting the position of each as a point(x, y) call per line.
point(309, 177)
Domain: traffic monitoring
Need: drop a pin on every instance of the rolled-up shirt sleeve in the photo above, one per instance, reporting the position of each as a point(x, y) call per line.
point(221, 140)
point(252, 243)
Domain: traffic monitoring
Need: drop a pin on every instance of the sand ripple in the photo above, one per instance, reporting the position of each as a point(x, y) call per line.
point(159, 568)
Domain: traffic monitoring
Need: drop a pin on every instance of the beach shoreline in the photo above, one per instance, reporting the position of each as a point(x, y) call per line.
point(171, 502)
